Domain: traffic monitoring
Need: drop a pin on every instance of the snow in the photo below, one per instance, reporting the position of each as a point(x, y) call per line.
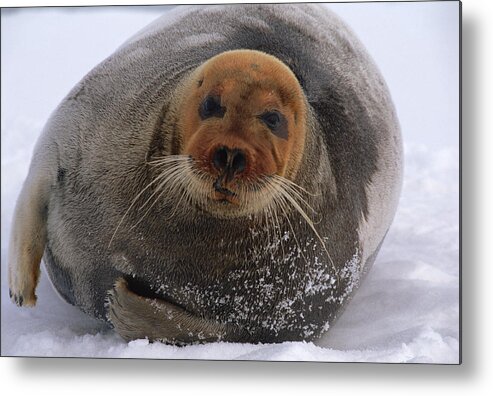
point(407, 308)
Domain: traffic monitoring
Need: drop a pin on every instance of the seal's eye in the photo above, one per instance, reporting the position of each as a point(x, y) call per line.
point(271, 119)
point(211, 107)
point(276, 122)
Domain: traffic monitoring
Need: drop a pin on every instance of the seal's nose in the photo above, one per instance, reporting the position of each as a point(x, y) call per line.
point(229, 161)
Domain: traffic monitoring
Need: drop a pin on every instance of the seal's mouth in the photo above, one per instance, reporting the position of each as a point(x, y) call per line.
point(222, 193)
point(219, 187)
point(229, 199)
point(184, 184)
point(224, 196)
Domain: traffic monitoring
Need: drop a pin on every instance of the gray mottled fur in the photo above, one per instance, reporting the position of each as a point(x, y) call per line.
point(196, 277)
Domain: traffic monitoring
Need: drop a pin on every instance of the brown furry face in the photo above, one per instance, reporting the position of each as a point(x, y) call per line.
point(242, 120)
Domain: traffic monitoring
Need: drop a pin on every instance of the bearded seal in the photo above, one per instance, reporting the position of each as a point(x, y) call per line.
point(229, 173)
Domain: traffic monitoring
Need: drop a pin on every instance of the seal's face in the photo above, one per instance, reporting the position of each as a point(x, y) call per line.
point(243, 124)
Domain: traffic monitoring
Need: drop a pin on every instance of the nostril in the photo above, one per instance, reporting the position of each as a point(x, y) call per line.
point(238, 163)
point(220, 158)
point(229, 162)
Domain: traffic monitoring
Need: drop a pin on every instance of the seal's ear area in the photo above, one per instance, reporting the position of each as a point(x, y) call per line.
point(28, 239)
point(135, 317)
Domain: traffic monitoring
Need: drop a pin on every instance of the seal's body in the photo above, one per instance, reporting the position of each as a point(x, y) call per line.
point(229, 173)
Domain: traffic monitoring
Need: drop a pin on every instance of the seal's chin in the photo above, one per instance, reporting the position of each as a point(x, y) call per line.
point(229, 198)
point(227, 206)
point(229, 202)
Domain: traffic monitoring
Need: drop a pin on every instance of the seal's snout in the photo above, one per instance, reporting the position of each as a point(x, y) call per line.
point(229, 162)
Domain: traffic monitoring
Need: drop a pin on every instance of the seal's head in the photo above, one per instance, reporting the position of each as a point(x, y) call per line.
point(242, 122)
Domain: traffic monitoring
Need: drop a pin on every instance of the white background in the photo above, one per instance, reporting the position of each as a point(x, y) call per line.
point(166, 376)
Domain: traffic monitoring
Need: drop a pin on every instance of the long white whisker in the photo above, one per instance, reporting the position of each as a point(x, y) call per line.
point(294, 185)
point(162, 188)
point(158, 179)
point(281, 236)
point(282, 204)
point(286, 216)
point(286, 186)
point(169, 159)
point(168, 175)
point(130, 207)
point(185, 189)
point(310, 223)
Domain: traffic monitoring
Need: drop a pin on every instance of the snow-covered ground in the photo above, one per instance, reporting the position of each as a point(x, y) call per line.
point(407, 310)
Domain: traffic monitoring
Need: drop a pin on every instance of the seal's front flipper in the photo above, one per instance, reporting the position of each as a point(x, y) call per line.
point(28, 239)
point(135, 317)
